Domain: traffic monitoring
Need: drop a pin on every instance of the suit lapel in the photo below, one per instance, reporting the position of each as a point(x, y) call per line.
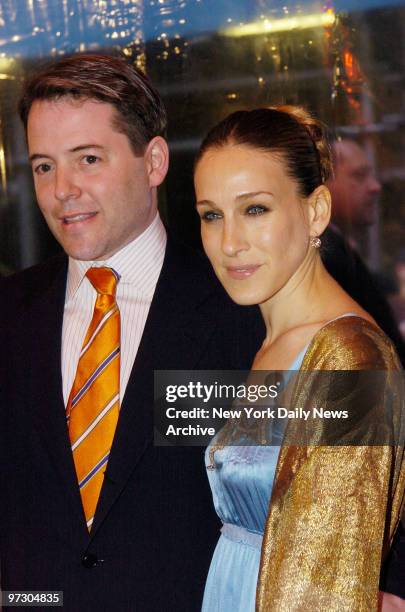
point(176, 332)
point(46, 305)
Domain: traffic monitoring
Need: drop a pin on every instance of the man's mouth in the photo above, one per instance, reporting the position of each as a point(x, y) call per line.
point(78, 218)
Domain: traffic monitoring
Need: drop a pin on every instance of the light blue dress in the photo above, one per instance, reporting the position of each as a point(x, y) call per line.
point(241, 485)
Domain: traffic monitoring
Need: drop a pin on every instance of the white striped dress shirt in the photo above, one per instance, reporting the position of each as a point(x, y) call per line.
point(139, 264)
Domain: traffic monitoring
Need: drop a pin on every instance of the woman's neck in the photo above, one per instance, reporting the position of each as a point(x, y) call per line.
point(304, 300)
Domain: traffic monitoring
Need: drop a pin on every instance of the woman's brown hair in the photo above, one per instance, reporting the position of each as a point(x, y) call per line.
point(289, 132)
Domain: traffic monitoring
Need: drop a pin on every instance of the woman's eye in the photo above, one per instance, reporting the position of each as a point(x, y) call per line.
point(42, 168)
point(210, 216)
point(256, 209)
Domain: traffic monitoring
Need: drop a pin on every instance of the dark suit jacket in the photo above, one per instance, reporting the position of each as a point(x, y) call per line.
point(347, 267)
point(155, 527)
point(393, 576)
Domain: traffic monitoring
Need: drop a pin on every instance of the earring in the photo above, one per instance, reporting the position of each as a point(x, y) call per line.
point(315, 242)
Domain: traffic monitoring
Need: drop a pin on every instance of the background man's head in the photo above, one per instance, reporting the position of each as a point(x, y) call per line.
point(94, 129)
point(354, 187)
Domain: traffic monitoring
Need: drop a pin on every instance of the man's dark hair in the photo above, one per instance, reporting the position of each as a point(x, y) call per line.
point(140, 113)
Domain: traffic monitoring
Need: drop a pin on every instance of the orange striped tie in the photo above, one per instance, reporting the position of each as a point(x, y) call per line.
point(94, 400)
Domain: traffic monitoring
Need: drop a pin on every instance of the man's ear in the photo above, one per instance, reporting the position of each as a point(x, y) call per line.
point(157, 160)
point(319, 203)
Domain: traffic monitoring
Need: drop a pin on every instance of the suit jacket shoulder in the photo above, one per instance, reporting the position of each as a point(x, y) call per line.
point(19, 288)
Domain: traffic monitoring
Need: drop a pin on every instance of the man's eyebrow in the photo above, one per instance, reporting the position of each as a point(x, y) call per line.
point(85, 146)
point(35, 156)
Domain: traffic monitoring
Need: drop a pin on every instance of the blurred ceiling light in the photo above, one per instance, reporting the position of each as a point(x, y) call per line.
point(300, 22)
point(7, 65)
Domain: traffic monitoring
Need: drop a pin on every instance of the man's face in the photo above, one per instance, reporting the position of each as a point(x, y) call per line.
point(355, 188)
point(95, 194)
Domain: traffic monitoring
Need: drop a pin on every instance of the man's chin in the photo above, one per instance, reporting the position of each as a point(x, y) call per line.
point(369, 217)
point(84, 253)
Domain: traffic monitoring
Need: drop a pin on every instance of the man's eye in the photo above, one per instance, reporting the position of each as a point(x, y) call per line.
point(361, 175)
point(256, 209)
point(210, 216)
point(91, 159)
point(42, 168)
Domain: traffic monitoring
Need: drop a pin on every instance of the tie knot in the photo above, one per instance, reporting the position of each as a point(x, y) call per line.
point(104, 280)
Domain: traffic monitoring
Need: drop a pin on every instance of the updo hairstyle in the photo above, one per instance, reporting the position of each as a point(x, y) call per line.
point(289, 132)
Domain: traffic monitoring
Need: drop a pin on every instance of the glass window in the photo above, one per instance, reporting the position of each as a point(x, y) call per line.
point(343, 60)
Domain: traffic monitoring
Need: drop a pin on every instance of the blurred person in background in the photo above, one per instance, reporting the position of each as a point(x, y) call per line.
point(397, 300)
point(354, 189)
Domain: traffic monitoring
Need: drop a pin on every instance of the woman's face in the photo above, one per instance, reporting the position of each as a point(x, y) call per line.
point(255, 226)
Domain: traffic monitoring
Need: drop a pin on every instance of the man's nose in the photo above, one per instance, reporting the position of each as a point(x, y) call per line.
point(233, 239)
point(374, 185)
point(66, 186)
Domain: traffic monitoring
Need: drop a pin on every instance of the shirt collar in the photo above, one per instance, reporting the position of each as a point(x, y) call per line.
point(138, 263)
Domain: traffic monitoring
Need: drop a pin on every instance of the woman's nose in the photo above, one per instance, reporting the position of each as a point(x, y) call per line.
point(233, 239)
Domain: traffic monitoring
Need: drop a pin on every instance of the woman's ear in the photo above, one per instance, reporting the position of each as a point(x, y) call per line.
point(320, 204)
point(157, 160)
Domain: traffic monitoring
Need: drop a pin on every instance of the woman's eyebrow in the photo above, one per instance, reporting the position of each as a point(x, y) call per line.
point(246, 196)
point(240, 198)
point(205, 202)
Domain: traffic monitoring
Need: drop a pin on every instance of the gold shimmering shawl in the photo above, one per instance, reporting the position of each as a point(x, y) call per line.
point(334, 509)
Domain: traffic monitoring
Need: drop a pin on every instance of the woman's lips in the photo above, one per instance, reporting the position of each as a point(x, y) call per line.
point(241, 272)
